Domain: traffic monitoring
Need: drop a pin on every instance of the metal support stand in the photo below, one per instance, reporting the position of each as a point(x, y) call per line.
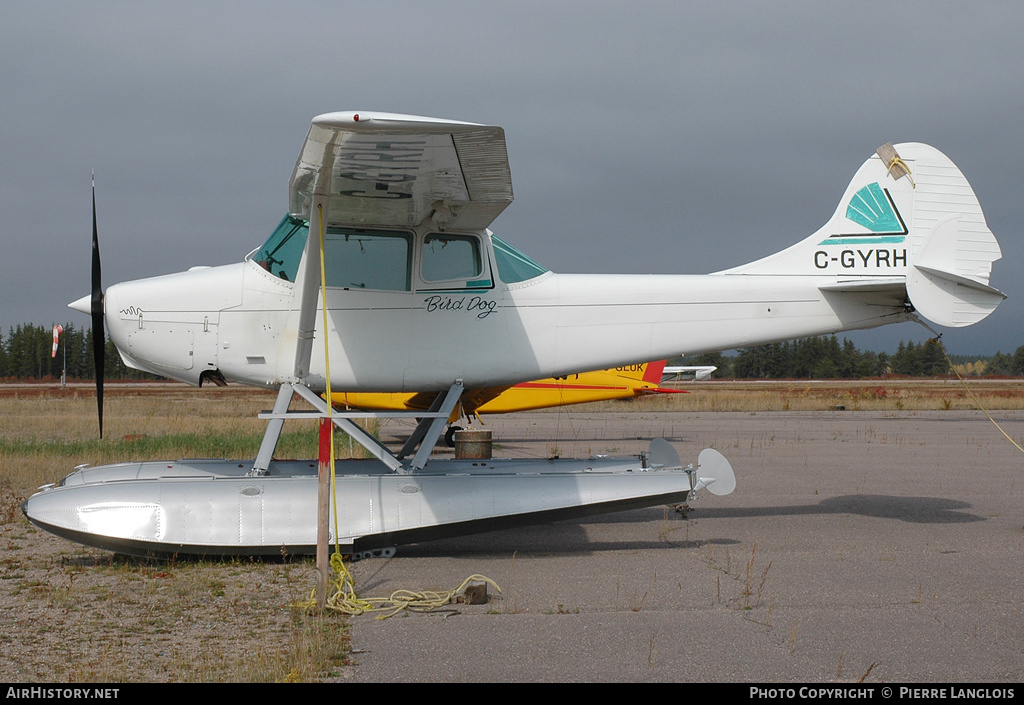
point(428, 431)
point(273, 432)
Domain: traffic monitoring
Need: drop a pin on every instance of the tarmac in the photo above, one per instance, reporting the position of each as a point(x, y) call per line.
point(858, 546)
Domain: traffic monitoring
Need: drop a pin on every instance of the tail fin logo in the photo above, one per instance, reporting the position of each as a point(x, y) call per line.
point(872, 208)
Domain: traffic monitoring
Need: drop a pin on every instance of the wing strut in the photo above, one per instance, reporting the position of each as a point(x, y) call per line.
point(309, 293)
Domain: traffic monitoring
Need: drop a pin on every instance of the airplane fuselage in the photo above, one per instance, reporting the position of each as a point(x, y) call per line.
point(430, 325)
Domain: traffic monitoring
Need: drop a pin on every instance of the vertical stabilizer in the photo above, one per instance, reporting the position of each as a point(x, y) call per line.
point(908, 216)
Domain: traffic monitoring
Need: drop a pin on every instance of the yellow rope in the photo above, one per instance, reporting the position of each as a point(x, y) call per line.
point(976, 400)
point(896, 161)
point(344, 598)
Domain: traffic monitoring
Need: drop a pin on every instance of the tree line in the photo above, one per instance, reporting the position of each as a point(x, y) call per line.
point(26, 355)
point(824, 357)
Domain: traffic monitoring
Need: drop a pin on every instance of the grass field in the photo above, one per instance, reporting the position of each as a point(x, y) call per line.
point(71, 614)
point(852, 395)
point(46, 431)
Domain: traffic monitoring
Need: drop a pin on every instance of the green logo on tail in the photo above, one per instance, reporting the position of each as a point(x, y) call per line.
point(872, 207)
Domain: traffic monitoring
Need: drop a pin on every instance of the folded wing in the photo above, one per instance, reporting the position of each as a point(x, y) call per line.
point(382, 169)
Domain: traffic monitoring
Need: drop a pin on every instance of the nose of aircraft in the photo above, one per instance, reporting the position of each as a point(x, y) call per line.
point(83, 304)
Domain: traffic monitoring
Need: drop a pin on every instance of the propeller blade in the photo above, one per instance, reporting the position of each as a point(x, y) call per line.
point(96, 309)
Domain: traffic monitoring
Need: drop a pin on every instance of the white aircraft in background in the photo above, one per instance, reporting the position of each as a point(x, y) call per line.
point(387, 227)
point(695, 372)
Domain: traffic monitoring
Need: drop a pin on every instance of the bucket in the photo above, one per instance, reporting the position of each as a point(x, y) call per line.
point(473, 444)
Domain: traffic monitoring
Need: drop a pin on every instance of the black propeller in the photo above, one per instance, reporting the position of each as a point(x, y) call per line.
point(96, 309)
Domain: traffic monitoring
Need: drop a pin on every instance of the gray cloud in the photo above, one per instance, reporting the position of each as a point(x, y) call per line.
point(643, 137)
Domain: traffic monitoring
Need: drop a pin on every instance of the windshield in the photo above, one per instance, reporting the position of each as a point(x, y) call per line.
point(281, 253)
point(513, 265)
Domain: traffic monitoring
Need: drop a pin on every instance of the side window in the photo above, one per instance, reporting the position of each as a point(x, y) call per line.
point(513, 265)
point(368, 259)
point(447, 257)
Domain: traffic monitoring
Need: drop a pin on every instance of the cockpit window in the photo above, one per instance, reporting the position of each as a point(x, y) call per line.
point(513, 265)
point(281, 253)
point(381, 259)
point(356, 259)
point(368, 259)
point(447, 257)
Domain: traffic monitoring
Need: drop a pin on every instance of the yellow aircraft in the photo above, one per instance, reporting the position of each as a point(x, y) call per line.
point(617, 383)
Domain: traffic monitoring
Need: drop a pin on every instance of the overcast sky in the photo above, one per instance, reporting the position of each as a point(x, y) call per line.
point(664, 137)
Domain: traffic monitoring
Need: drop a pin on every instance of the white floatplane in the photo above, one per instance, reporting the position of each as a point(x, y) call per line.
point(387, 228)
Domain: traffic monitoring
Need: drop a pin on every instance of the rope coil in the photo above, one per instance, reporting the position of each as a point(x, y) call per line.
point(342, 597)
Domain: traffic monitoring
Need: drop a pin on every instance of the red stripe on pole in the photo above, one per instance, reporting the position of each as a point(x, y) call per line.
point(325, 444)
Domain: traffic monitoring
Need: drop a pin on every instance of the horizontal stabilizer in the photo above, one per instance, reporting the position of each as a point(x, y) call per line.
point(894, 285)
point(963, 281)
